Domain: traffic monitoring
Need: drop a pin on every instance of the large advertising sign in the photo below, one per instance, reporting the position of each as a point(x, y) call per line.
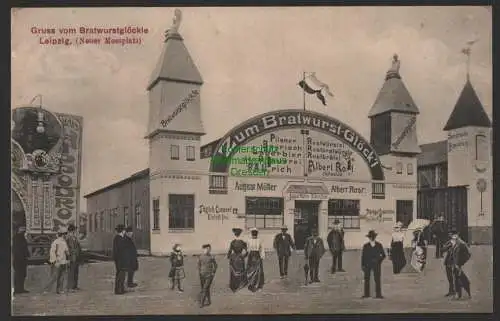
point(67, 182)
point(313, 151)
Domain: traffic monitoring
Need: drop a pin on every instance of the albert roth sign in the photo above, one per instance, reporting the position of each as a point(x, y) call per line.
point(285, 119)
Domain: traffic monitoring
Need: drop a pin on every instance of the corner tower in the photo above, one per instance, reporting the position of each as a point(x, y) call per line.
point(174, 90)
point(470, 161)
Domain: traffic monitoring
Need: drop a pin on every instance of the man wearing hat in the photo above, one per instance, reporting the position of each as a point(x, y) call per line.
point(120, 256)
point(20, 254)
point(439, 233)
point(313, 251)
point(460, 254)
point(448, 264)
point(59, 253)
point(336, 245)
point(371, 260)
point(132, 256)
point(283, 244)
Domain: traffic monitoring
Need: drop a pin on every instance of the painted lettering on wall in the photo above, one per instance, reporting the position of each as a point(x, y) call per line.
point(183, 105)
point(284, 119)
point(67, 184)
point(379, 215)
point(245, 187)
point(348, 189)
point(405, 132)
point(329, 158)
point(453, 146)
point(217, 213)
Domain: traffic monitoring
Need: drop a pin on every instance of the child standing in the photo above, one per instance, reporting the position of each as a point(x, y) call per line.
point(177, 270)
point(207, 266)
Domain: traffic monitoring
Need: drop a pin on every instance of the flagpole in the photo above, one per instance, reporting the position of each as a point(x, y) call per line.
point(303, 91)
point(303, 131)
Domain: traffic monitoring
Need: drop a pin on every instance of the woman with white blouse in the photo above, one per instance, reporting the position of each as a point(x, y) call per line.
point(397, 249)
point(255, 270)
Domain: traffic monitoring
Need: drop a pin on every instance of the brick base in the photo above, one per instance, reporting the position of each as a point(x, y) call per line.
point(481, 235)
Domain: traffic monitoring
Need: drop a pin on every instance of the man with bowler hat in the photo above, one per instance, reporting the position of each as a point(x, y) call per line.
point(120, 256)
point(335, 240)
point(371, 260)
point(132, 256)
point(448, 265)
point(313, 251)
point(283, 244)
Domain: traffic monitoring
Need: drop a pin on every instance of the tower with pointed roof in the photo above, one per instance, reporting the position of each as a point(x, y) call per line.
point(470, 160)
point(393, 134)
point(174, 128)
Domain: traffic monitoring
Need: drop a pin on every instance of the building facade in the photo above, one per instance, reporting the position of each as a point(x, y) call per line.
point(286, 167)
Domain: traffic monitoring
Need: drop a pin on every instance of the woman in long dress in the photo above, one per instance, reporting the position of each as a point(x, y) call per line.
point(255, 271)
point(397, 250)
point(419, 245)
point(236, 255)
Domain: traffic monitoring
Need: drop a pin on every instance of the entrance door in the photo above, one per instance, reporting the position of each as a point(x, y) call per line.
point(306, 219)
point(404, 212)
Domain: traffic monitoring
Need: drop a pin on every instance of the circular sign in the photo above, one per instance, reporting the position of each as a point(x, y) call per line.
point(481, 185)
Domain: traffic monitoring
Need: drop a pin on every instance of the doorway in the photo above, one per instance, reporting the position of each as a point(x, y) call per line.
point(404, 212)
point(306, 219)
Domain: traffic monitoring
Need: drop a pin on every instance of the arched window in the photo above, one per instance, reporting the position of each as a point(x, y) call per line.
point(481, 147)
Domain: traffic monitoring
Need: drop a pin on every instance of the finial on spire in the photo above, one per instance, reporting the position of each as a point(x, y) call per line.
point(467, 51)
point(393, 72)
point(176, 22)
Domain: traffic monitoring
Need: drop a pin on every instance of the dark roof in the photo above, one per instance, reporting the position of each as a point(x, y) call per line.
point(468, 111)
point(175, 62)
point(133, 177)
point(208, 149)
point(433, 153)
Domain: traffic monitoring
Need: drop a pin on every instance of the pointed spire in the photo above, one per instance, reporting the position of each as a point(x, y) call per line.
point(175, 63)
point(393, 96)
point(468, 110)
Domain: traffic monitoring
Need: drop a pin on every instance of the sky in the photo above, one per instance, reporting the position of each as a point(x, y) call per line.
point(251, 60)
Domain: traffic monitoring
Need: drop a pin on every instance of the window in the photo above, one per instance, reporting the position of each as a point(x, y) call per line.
point(90, 222)
point(442, 175)
point(125, 216)
point(426, 177)
point(101, 222)
point(481, 147)
point(190, 153)
point(346, 211)
point(264, 212)
point(409, 169)
point(174, 152)
point(404, 212)
point(96, 220)
point(181, 211)
point(138, 216)
point(399, 168)
point(156, 214)
point(380, 137)
point(378, 191)
point(218, 181)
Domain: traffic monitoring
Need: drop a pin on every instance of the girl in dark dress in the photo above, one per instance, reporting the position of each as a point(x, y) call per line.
point(255, 272)
point(177, 269)
point(397, 252)
point(236, 255)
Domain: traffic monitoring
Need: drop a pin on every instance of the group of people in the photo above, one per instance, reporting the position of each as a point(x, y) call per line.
point(449, 246)
point(65, 257)
point(125, 258)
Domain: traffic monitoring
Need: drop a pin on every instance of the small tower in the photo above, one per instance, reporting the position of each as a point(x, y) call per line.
point(470, 161)
point(174, 105)
point(394, 117)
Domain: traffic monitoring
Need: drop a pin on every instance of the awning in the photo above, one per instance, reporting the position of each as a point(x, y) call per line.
point(295, 191)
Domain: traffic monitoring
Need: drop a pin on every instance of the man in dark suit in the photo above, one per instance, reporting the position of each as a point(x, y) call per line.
point(283, 244)
point(20, 255)
point(448, 265)
point(336, 245)
point(313, 251)
point(460, 253)
point(439, 233)
point(132, 256)
point(371, 260)
point(120, 256)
